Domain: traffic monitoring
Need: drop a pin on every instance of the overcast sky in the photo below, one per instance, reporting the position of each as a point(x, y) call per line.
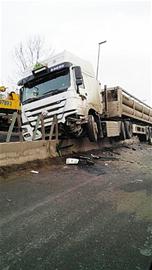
point(78, 26)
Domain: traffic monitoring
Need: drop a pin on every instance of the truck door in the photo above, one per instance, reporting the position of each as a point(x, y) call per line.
point(80, 88)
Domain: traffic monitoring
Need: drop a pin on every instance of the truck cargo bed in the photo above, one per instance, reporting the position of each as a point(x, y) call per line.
point(117, 103)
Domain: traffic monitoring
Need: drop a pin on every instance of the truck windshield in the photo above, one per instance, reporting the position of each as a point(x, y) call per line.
point(51, 84)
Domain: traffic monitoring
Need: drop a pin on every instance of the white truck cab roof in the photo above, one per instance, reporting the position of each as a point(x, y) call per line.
point(62, 57)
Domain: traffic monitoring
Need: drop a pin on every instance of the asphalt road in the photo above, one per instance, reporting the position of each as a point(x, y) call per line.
point(79, 217)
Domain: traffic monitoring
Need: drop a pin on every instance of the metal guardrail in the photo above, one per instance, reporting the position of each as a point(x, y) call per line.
point(15, 117)
point(40, 121)
point(54, 128)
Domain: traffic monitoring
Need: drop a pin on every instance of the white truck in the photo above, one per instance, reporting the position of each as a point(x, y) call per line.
point(67, 87)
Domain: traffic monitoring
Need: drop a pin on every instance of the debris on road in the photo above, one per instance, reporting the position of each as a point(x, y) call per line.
point(84, 157)
point(136, 181)
point(104, 158)
point(65, 167)
point(89, 162)
point(95, 157)
point(9, 200)
point(72, 161)
point(116, 153)
point(126, 146)
point(81, 160)
point(86, 204)
point(109, 158)
point(128, 161)
point(36, 172)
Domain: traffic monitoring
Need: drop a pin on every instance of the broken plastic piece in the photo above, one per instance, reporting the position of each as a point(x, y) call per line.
point(95, 157)
point(71, 161)
point(34, 172)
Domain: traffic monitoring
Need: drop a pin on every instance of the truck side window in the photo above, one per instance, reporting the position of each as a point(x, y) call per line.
point(78, 77)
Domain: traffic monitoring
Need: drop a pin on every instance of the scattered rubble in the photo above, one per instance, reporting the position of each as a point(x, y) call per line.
point(136, 181)
point(89, 160)
point(95, 157)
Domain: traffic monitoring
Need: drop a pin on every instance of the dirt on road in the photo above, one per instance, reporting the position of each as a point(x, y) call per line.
point(79, 217)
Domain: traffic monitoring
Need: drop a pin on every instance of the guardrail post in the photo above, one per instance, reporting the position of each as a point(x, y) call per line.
point(42, 126)
point(54, 126)
point(36, 127)
point(14, 116)
point(19, 127)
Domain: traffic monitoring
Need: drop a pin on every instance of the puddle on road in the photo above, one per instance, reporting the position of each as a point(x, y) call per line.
point(137, 185)
point(146, 250)
point(140, 204)
point(95, 169)
point(137, 202)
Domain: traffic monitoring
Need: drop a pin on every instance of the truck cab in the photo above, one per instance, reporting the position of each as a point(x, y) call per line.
point(65, 87)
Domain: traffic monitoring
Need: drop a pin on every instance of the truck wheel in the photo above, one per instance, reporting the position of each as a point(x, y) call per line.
point(92, 129)
point(148, 134)
point(128, 129)
point(122, 132)
point(142, 137)
point(99, 126)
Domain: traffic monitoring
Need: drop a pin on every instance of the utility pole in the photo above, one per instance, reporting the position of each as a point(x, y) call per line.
point(99, 57)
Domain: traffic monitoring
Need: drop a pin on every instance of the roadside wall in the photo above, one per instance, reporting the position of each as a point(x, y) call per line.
point(21, 152)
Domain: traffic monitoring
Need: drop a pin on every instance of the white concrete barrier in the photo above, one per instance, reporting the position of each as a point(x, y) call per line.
point(21, 152)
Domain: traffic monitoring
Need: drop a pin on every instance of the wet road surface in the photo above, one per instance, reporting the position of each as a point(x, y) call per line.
point(79, 217)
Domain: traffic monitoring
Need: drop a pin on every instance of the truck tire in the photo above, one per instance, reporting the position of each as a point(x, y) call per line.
point(99, 126)
point(144, 137)
point(128, 129)
point(92, 129)
point(122, 132)
point(147, 134)
point(150, 135)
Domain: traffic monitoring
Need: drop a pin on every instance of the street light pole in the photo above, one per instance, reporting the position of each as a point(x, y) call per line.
point(99, 57)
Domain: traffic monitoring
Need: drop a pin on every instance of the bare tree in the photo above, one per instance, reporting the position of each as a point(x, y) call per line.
point(30, 52)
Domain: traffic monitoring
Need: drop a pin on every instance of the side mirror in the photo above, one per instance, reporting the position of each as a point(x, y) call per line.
point(78, 75)
point(21, 93)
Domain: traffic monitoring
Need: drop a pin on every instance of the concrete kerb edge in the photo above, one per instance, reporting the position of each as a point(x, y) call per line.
point(22, 152)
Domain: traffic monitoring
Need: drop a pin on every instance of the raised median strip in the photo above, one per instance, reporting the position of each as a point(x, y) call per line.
point(22, 152)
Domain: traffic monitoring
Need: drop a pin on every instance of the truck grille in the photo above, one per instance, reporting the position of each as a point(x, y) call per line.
point(52, 109)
